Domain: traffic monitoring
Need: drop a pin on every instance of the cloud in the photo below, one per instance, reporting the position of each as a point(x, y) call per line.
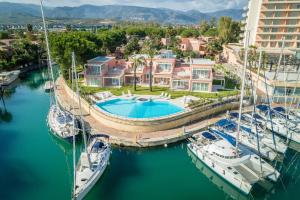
point(201, 5)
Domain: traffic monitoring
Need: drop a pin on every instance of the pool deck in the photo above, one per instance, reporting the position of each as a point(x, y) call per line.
point(123, 138)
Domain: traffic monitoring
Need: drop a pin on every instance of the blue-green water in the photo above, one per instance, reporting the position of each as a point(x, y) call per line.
point(35, 166)
point(132, 108)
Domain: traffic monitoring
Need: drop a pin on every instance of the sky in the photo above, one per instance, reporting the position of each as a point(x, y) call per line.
point(201, 5)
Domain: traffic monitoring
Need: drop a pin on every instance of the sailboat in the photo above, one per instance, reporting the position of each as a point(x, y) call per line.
point(265, 136)
point(235, 163)
point(95, 157)
point(59, 121)
point(228, 130)
point(279, 125)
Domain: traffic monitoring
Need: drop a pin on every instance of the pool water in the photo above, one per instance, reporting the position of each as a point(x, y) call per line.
point(131, 108)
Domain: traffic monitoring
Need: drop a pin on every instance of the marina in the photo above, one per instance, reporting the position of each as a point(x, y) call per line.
point(138, 177)
point(141, 110)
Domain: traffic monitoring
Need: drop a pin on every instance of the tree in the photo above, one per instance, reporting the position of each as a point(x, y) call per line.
point(151, 51)
point(112, 39)
point(214, 47)
point(213, 22)
point(136, 62)
point(68, 27)
point(228, 30)
point(170, 32)
point(190, 33)
point(29, 28)
point(204, 26)
point(85, 45)
point(4, 35)
point(132, 46)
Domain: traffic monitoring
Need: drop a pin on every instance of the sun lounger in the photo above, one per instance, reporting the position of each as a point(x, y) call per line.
point(129, 93)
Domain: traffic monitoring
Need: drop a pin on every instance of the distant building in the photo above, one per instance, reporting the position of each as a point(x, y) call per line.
point(194, 75)
point(166, 41)
point(197, 45)
point(270, 20)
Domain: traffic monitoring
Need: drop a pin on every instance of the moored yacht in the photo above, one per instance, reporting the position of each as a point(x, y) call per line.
point(6, 78)
point(266, 137)
point(228, 130)
point(278, 124)
point(91, 166)
point(60, 123)
point(238, 166)
point(95, 157)
point(59, 120)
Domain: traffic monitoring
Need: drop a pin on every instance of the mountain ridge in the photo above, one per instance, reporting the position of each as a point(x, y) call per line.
point(17, 13)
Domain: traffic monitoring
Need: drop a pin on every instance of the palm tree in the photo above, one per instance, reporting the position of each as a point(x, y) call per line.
point(137, 60)
point(151, 51)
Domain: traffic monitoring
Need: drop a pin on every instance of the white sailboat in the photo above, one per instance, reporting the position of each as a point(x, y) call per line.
point(265, 136)
point(228, 130)
point(279, 125)
point(241, 168)
point(95, 157)
point(59, 121)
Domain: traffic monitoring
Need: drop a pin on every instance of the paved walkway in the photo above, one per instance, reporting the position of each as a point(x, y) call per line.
point(124, 138)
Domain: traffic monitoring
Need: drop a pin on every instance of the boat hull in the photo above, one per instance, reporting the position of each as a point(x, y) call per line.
point(239, 184)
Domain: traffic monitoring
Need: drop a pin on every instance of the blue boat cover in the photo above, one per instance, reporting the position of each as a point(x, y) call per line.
point(236, 115)
point(98, 145)
point(263, 108)
point(223, 122)
point(257, 116)
point(225, 136)
point(208, 135)
point(279, 109)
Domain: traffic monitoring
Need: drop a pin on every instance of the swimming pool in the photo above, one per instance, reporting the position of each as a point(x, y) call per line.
point(139, 109)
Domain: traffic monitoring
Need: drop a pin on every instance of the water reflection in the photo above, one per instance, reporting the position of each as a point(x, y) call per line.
point(36, 79)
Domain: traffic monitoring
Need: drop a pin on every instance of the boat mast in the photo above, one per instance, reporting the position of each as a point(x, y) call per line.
point(254, 111)
point(48, 53)
point(294, 91)
point(280, 58)
point(246, 45)
point(79, 104)
point(73, 137)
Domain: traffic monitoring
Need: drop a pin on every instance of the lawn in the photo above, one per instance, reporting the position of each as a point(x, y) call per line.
point(157, 91)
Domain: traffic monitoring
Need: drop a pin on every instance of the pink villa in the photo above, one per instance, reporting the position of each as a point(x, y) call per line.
point(195, 75)
point(197, 45)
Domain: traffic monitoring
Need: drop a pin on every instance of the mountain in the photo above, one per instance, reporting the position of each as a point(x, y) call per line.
point(30, 13)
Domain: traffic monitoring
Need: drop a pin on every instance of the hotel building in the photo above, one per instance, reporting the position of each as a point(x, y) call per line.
point(270, 20)
point(196, 75)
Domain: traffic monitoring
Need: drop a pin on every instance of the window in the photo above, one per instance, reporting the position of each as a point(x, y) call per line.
point(200, 74)
point(200, 87)
point(93, 81)
point(178, 84)
point(164, 67)
point(93, 70)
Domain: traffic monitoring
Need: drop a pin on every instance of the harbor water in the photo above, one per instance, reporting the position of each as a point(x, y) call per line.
point(34, 165)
